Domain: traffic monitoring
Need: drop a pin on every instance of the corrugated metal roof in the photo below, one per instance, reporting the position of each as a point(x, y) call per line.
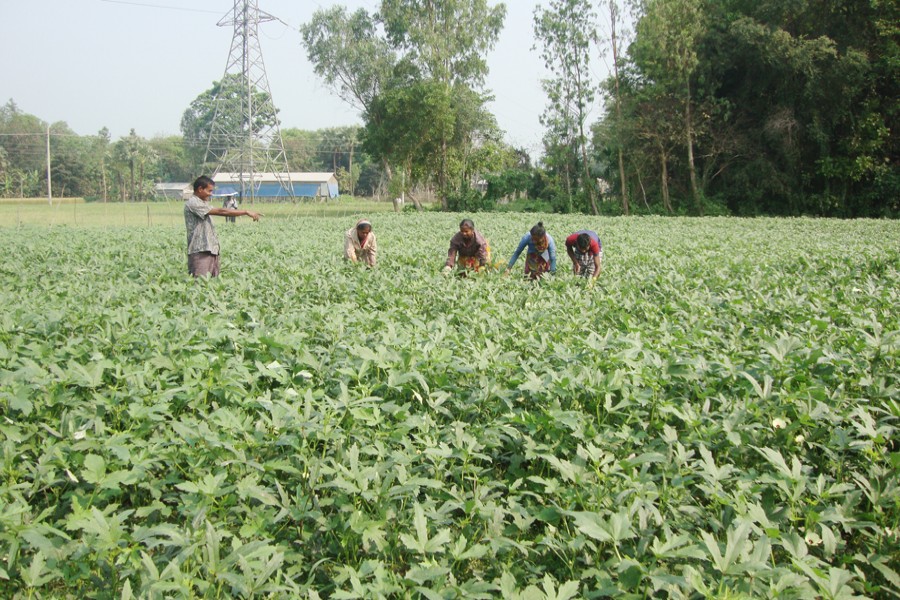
point(276, 177)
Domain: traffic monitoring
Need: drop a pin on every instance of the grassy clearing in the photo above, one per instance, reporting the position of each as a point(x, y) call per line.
point(165, 213)
point(716, 418)
point(44, 201)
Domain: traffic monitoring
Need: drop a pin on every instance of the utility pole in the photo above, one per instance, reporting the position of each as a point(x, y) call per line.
point(350, 172)
point(49, 182)
point(245, 138)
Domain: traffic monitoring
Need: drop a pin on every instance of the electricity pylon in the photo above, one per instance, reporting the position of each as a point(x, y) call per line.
point(244, 136)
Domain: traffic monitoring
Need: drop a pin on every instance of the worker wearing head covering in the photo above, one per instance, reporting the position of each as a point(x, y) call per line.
point(360, 245)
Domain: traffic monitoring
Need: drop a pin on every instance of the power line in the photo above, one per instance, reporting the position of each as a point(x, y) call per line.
point(146, 5)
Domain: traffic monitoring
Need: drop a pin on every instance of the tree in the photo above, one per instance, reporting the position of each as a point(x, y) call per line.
point(446, 43)
point(813, 88)
point(70, 166)
point(666, 46)
point(172, 161)
point(614, 16)
point(406, 127)
point(222, 103)
point(566, 31)
point(347, 52)
point(137, 156)
point(386, 72)
point(336, 149)
point(300, 149)
point(782, 107)
point(4, 163)
point(447, 40)
point(23, 138)
point(511, 176)
point(100, 154)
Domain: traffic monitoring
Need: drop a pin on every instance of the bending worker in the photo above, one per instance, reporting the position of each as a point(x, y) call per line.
point(541, 257)
point(468, 248)
point(586, 251)
point(360, 244)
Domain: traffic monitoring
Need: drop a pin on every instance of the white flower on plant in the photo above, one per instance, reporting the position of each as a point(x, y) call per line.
point(812, 539)
point(799, 439)
point(79, 435)
point(779, 423)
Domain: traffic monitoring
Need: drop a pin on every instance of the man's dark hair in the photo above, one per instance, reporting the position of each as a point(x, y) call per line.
point(202, 182)
point(467, 223)
point(583, 241)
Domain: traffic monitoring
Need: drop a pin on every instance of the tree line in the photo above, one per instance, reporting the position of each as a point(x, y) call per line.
point(712, 106)
point(739, 107)
point(97, 167)
point(756, 107)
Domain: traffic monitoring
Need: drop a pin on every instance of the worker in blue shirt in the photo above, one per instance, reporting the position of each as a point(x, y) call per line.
point(541, 257)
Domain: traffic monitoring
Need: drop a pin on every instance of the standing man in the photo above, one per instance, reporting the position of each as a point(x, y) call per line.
point(232, 203)
point(202, 242)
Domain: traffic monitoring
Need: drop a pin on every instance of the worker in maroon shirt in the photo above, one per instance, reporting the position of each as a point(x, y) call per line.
point(468, 249)
point(586, 251)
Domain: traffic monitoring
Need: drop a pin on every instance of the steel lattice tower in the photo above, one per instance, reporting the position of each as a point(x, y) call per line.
point(244, 136)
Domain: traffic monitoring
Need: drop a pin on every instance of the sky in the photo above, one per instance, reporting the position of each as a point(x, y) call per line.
point(138, 64)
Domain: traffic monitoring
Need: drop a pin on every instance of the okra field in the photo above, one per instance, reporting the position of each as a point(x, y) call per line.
point(716, 418)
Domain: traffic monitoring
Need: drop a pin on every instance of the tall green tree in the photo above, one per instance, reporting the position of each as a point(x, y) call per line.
point(348, 53)
point(223, 102)
point(446, 42)
point(5, 175)
point(300, 149)
point(137, 157)
point(817, 84)
point(410, 55)
point(173, 162)
point(667, 47)
point(566, 31)
point(23, 139)
point(407, 126)
point(352, 56)
point(782, 107)
point(615, 28)
point(101, 153)
point(70, 168)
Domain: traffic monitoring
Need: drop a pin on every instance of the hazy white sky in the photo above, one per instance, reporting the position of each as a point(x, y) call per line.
point(138, 64)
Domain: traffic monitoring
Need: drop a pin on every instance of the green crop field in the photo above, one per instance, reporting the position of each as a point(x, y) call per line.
point(716, 418)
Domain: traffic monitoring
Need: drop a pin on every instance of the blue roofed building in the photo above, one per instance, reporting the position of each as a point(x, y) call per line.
point(278, 186)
